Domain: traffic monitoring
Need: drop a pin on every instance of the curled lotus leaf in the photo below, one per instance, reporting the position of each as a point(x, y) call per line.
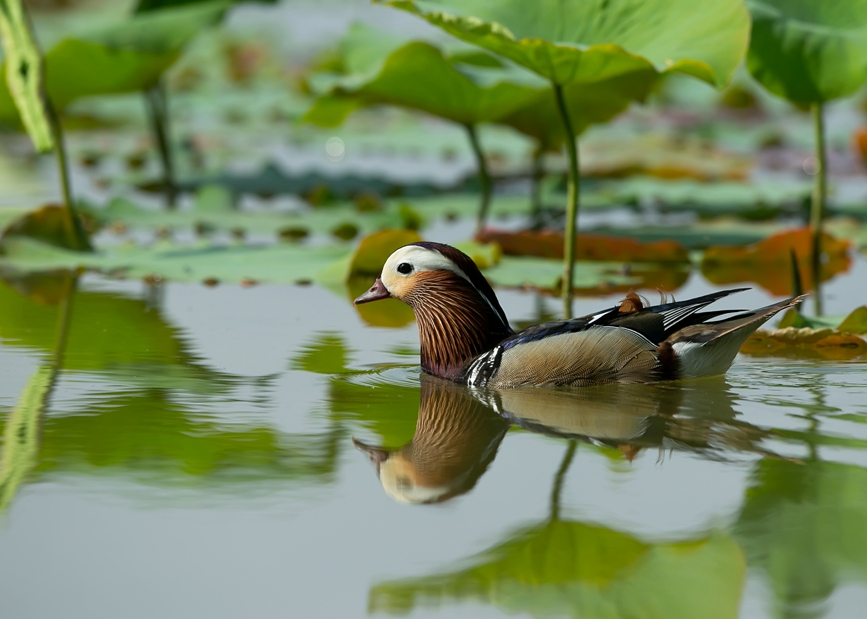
point(805, 342)
point(129, 56)
point(579, 42)
point(809, 51)
point(465, 94)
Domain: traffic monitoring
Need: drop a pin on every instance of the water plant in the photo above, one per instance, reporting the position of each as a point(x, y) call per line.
point(810, 52)
point(585, 43)
point(467, 89)
point(128, 56)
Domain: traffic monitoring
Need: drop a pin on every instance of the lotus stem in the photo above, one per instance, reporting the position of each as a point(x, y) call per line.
point(538, 175)
point(559, 477)
point(484, 178)
point(157, 105)
point(75, 234)
point(573, 189)
point(817, 209)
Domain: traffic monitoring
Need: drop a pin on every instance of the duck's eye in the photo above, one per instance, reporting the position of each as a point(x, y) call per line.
point(404, 268)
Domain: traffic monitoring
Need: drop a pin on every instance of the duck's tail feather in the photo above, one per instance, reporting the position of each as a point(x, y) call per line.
point(677, 314)
point(708, 349)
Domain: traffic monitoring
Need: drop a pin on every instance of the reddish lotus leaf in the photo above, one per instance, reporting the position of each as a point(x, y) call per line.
point(50, 224)
point(859, 143)
point(594, 247)
point(768, 263)
point(805, 342)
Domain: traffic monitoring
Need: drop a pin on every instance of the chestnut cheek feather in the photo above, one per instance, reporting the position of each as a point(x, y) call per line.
point(455, 323)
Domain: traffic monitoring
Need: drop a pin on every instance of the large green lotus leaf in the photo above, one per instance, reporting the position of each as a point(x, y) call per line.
point(580, 41)
point(803, 525)
point(574, 569)
point(128, 57)
point(227, 264)
point(418, 76)
point(809, 51)
point(364, 49)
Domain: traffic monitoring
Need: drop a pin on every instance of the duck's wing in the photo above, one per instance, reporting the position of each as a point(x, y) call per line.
point(655, 323)
point(658, 322)
point(616, 344)
point(582, 356)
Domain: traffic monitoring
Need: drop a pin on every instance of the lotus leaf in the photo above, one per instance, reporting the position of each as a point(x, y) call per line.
point(809, 51)
point(418, 76)
point(587, 42)
point(24, 74)
point(854, 322)
point(128, 57)
point(205, 262)
point(575, 569)
point(549, 244)
point(213, 210)
point(806, 342)
point(764, 261)
point(801, 523)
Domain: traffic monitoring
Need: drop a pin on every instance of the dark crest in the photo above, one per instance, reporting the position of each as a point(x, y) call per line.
point(466, 264)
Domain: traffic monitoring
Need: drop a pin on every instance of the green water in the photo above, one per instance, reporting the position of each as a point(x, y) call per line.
point(185, 451)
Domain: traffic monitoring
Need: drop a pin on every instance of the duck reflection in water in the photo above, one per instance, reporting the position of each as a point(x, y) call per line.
point(456, 438)
point(459, 430)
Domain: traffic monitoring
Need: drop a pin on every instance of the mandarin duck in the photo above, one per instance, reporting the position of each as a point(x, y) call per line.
point(465, 336)
point(456, 438)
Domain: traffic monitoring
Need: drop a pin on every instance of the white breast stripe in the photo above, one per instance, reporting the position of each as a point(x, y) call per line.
point(482, 368)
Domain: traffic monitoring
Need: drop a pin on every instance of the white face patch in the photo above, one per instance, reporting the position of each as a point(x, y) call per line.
point(403, 264)
point(418, 259)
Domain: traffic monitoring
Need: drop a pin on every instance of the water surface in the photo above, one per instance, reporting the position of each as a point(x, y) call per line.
point(190, 453)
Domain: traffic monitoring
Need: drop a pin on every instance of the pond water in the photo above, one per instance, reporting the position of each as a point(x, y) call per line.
point(190, 453)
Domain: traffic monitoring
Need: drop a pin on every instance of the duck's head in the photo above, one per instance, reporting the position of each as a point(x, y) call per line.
point(458, 314)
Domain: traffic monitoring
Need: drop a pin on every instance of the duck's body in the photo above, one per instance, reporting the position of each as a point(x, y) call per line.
point(465, 336)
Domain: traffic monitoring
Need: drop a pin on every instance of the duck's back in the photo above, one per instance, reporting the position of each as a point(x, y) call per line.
point(576, 355)
point(628, 343)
